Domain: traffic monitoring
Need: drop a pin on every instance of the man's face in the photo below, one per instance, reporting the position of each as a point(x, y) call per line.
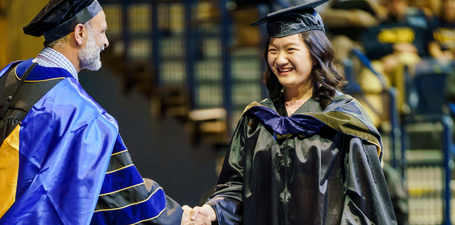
point(89, 54)
point(397, 7)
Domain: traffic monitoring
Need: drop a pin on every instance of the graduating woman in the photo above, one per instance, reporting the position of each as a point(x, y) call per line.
point(307, 154)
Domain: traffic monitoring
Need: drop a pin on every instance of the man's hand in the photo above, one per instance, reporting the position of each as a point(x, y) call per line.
point(148, 184)
point(198, 215)
point(405, 47)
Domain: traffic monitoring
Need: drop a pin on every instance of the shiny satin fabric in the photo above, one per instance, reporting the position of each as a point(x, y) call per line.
point(286, 125)
point(65, 144)
point(54, 14)
point(294, 23)
point(68, 26)
point(293, 20)
point(17, 97)
point(9, 162)
point(71, 157)
point(326, 177)
point(124, 198)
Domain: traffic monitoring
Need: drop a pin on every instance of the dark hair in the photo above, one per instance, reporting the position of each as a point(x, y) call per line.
point(327, 79)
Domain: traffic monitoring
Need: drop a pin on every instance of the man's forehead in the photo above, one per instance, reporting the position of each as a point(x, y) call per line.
point(99, 20)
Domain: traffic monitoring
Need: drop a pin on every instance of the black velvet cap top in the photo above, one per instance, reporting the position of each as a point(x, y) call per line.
point(293, 20)
point(59, 18)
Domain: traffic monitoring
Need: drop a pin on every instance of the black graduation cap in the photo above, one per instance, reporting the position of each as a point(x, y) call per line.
point(293, 20)
point(59, 17)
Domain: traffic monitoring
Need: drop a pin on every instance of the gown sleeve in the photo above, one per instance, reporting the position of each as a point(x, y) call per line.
point(126, 199)
point(227, 199)
point(367, 198)
point(171, 214)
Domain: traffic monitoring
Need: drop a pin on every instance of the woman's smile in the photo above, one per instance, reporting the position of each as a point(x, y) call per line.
point(290, 60)
point(285, 71)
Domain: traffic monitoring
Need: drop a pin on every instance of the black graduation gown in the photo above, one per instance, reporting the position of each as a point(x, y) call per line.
point(315, 167)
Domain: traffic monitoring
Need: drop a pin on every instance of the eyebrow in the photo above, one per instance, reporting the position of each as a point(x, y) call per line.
point(288, 44)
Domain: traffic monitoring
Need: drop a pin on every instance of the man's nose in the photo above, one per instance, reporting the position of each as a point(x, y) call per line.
point(106, 42)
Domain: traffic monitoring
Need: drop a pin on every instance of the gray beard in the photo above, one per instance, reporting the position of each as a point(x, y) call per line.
point(89, 55)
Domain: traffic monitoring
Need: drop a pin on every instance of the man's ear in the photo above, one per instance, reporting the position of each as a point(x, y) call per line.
point(79, 34)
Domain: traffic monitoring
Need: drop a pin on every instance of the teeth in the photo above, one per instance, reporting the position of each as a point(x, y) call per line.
point(285, 70)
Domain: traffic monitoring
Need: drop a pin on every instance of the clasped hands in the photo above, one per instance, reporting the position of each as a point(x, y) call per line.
point(198, 215)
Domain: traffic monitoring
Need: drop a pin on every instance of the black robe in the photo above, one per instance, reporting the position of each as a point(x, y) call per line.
point(315, 167)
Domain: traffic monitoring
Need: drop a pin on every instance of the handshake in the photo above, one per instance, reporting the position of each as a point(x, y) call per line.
point(198, 215)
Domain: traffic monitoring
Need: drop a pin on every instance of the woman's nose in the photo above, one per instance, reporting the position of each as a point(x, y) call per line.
point(282, 59)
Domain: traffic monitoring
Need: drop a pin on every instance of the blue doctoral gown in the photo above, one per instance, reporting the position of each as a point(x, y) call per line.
point(67, 164)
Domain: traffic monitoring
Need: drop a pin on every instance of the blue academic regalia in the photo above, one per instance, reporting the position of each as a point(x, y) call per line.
point(67, 164)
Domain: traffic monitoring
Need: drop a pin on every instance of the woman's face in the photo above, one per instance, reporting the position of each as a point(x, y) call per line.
point(290, 60)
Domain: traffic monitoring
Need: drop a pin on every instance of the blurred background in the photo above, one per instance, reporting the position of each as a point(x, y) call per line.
point(178, 74)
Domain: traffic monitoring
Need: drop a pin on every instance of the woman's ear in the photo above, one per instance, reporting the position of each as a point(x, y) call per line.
point(80, 32)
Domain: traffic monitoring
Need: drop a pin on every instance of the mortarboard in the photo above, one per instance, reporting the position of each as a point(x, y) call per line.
point(293, 20)
point(59, 17)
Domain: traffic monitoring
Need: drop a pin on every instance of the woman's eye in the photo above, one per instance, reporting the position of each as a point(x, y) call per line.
point(272, 50)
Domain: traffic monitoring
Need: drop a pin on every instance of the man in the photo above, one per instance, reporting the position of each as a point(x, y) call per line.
point(62, 160)
point(395, 46)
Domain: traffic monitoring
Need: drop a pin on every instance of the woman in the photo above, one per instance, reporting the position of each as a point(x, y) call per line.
point(307, 154)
